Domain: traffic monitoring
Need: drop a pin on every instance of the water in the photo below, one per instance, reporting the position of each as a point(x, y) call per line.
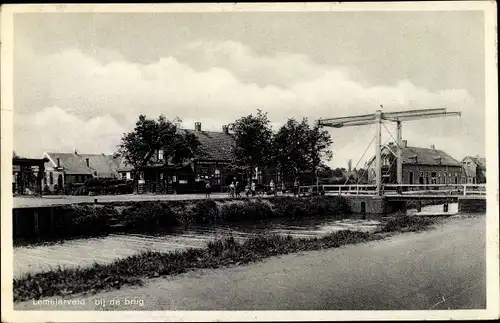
point(84, 252)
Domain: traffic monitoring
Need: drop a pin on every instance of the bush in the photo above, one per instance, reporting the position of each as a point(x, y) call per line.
point(406, 223)
point(79, 220)
point(246, 210)
point(148, 216)
point(109, 186)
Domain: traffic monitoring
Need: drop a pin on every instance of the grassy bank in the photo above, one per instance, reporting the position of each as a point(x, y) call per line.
point(133, 270)
point(147, 216)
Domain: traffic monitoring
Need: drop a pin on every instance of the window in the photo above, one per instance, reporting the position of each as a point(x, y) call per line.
point(124, 175)
point(45, 178)
point(160, 154)
point(51, 178)
point(217, 177)
point(183, 179)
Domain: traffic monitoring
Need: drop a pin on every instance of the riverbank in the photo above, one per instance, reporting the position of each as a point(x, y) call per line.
point(434, 269)
point(80, 220)
point(133, 270)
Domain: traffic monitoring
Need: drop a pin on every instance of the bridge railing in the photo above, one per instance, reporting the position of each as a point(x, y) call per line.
point(397, 189)
point(361, 189)
point(435, 189)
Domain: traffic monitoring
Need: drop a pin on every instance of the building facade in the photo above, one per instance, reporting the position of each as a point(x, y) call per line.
point(420, 166)
point(474, 169)
point(69, 168)
point(211, 164)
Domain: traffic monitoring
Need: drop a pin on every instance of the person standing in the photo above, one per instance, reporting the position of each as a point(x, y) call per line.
point(208, 189)
point(237, 189)
point(231, 190)
point(253, 188)
point(296, 188)
point(272, 188)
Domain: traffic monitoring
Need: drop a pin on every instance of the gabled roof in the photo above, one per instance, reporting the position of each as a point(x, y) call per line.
point(478, 161)
point(214, 145)
point(105, 165)
point(70, 162)
point(424, 156)
point(123, 166)
point(76, 164)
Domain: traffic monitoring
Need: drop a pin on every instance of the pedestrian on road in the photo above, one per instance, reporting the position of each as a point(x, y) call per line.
point(208, 189)
point(272, 188)
point(253, 188)
point(296, 188)
point(237, 189)
point(231, 190)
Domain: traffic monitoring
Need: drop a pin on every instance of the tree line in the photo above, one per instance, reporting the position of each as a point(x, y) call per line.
point(295, 148)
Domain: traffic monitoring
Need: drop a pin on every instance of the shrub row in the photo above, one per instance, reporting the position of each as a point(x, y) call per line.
point(148, 216)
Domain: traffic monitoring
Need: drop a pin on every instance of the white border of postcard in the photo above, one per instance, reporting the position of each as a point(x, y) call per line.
point(492, 311)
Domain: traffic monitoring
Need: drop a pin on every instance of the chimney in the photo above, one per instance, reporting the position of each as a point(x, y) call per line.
point(197, 126)
point(225, 129)
point(404, 143)
point(58, 162)
point(88, 162)
point(433, 147)
point(76, 152)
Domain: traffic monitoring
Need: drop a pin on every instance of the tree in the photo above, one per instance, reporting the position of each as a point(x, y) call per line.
point(300, 148)
point(319, 147)
point(149, 136)
point(253, 143)
point(291, 148)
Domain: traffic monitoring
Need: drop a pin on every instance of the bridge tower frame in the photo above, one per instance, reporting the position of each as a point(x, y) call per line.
point(377, 118)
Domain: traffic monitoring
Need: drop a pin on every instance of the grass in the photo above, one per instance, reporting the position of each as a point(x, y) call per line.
point(134, 269)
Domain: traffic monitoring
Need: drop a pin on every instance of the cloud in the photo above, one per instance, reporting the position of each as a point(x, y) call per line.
point(53, 129)
point(73, 100)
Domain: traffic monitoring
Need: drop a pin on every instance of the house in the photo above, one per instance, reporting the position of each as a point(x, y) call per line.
point(210, 163)
point(474, 169)
point(420, 166)
point(67, 168)
point(124, 169)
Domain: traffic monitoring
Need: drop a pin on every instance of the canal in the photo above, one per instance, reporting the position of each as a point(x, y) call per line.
point(32, 258)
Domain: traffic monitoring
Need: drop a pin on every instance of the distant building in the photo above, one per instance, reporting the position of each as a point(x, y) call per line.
point(420, 166)
point(474, 169)
point(66, 168)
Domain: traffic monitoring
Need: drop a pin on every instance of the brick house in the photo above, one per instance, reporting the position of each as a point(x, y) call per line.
point(67, 168)
point(420, 166)
point(474, 169)
point(212, 164)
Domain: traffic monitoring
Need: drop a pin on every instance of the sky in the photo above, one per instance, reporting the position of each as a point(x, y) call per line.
point(82, 79)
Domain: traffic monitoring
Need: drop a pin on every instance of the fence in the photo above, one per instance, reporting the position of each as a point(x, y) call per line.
point(397, 189)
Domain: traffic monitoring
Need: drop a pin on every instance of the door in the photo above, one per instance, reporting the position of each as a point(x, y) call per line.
point(60, 181)
point(411, 178)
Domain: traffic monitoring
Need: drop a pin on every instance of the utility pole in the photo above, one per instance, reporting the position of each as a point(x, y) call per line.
point(399, 169)
point(378, 156)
